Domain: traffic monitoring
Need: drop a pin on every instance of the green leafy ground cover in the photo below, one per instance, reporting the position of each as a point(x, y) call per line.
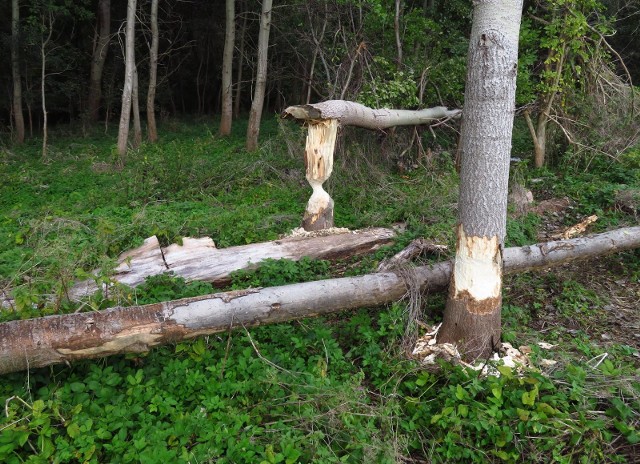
point(337, 389)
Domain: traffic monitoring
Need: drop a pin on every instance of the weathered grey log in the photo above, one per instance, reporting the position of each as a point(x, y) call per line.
point(354, 114)
point(58, 339)
point(199, 259)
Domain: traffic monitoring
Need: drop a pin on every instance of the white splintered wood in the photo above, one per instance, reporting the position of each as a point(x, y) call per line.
point(477, 267)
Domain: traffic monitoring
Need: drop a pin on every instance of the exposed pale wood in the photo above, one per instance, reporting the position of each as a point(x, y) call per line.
point(59, 339)
point(199, 259)
point(354, 114)
point(318, 160)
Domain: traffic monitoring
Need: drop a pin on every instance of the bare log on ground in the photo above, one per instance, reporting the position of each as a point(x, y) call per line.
point(199, 259)
point(354, 114)
point(59, 339)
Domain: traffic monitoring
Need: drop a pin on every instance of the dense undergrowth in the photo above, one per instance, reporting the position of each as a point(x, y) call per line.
point(338, 389)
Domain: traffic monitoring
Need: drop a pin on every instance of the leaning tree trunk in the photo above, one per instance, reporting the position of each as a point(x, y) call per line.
point(152, 130)
point(99, 57)
point(227, 69)
point(127, 90)
point(15, 71)
point(253, 131)
point(60, 339)
point(472, 314)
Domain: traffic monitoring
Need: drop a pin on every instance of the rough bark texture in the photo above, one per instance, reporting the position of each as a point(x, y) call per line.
point(354, 114)
point(318, 160)
point(135, 110)
point(97, 61)
point(472, 315)
point(152, 130)
point(59, 339)
point(199, 259)
point(15, 71)
point(253, 130)
point(125, 112)
point(227, 68)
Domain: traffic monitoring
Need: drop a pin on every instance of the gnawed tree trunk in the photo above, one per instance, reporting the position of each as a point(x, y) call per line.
point(152, 130)
point(318, 160)
point(125, 112)
point(18, 118)
point(99, 57)
point(350, 113)
point(227, 68)
point(255, 115)
point(199, 259)
point(472, 315)
point(60, 339)
point(323, 119)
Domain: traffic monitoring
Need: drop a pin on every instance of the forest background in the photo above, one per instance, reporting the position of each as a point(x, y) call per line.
point(336, 389)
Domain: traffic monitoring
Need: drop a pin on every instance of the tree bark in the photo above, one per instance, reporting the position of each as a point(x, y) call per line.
point(199, 259)
point(98, 60)
point(236, 101)
point(398, 33)
point(472, 314)
point(125, 112)
point(60, 339)
point(152, 130)
point(354, 114)
point(43, 80)
point(135, 110)
point(18, 117)
point(227, 69)
point(253, 130)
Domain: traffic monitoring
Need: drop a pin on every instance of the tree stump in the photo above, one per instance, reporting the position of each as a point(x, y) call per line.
point(318, 160)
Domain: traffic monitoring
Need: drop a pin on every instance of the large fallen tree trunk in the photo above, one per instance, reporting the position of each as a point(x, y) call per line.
point(199, 259)
point(58, 339)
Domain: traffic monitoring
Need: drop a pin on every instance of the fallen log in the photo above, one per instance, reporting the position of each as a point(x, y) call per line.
point(199, 259)
point(60, 339)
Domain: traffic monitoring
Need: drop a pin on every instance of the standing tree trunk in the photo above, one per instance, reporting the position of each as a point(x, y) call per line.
point(135, 110)
point(227, 69)
point(152, 130)
point(236, 101)
point(472, 314)
point(398, 33)
point(43, 79)
point(253, 131)
point(15, 70)
point(98, 60)
point(125, 112)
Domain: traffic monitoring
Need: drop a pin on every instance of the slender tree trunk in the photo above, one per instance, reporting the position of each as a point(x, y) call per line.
point(125, 112)
point(227, 69)
point(135, 110)
point(253, 131)
point(152, 131)
point(43, 80)
point(98, 60)
point(240, 62)
point(15, 70)
point(472, 314)
point(398, 32)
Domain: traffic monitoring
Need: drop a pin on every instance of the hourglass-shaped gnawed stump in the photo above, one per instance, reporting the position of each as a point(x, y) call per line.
point(318, 160)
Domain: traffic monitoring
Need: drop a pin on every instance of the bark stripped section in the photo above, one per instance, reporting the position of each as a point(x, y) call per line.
point(318, 160)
